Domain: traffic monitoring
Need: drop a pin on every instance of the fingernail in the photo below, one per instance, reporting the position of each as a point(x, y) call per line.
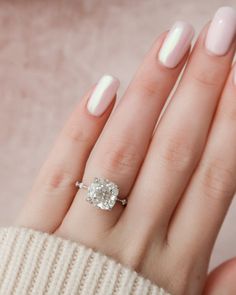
point(102, 95)
point(176, 44)
point(221, 31)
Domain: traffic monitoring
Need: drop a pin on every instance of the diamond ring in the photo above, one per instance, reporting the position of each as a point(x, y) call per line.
point(102, 193)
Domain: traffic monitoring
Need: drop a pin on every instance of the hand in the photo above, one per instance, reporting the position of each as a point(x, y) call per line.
point(179, 178)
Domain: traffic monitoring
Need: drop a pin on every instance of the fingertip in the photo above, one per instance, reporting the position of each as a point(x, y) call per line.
point(222, 279)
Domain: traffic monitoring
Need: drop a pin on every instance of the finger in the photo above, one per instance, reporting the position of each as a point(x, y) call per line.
point(222, 279)
point(178, 141)
point(54, 189)
point(120, 150)
point(212, 187)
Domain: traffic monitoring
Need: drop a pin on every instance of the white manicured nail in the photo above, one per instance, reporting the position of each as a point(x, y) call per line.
point(102, 95)
point(176, 44)
point(221, 31)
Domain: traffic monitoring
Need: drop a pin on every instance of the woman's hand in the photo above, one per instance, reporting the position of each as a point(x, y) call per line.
point(179, 179)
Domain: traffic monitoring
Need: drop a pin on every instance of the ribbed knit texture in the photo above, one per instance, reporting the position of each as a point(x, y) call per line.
point(37, 263)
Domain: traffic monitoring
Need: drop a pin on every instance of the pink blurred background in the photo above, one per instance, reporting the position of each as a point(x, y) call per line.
point(50, 54)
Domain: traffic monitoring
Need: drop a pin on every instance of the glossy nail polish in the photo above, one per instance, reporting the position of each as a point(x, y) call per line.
point(176, 44)
point(221, 31)
point(102, 95)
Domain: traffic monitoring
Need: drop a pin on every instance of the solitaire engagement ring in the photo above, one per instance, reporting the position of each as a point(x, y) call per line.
point(102, 193)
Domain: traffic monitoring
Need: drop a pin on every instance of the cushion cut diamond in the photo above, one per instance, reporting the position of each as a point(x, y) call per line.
point(102, 193)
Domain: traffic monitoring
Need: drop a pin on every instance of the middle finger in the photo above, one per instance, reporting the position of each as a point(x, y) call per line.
point(181, 135)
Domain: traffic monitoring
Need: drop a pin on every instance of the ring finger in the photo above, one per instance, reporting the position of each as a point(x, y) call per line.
point(122, 146)
point(54, 188)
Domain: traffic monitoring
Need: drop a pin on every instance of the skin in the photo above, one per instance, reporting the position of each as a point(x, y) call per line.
point(179, 178)
point(222, 279)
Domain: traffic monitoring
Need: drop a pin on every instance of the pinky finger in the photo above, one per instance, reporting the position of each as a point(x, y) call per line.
point(54, 188)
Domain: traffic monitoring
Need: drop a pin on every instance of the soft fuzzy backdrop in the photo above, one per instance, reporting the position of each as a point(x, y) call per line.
point(51, 51)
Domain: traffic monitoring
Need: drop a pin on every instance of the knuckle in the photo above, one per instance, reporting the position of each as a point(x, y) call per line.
point(177, 153)
point(218, 180)
point(121, 157)
point(57, 179)
point(149, 89)
point(76, 134)
point(207, 78)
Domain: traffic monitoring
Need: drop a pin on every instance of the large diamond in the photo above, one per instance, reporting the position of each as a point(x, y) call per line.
point(102, 193)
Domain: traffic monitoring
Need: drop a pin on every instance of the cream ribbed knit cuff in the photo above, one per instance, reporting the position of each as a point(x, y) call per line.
point(37, 263)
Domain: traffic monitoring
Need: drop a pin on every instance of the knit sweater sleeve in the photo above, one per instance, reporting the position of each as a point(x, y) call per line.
point(37, 263)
